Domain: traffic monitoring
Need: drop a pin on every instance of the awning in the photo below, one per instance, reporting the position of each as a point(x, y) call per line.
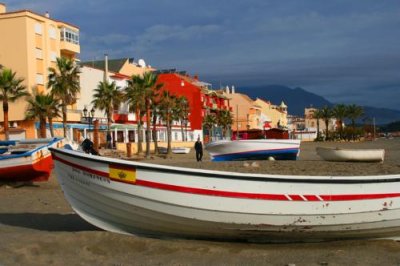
point(74, 125)
point(123, 126)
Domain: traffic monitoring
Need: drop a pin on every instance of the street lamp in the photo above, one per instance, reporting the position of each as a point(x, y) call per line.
point(88, 115)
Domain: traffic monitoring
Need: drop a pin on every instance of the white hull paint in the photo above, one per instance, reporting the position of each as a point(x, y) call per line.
point(250, 149)
point(166, 201)
point(351, 155)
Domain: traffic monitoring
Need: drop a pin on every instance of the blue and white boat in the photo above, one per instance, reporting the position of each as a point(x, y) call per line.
point(254, 149)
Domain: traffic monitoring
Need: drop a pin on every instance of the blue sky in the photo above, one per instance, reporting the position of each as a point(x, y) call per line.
point(345, 50)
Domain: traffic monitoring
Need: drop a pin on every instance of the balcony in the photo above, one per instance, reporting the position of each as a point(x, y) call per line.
point(69, 40)
point(69, 48)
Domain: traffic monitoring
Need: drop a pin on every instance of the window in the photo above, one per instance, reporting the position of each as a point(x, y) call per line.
point(39, 54)
point(162, 136)
point(53, 56)
point(52, 33)
point(39, 79)
point(131, 135)
point(120, 136)
point(69, 35)
point(38, 28)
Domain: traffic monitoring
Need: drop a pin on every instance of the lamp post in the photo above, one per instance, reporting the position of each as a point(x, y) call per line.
point(88, 115)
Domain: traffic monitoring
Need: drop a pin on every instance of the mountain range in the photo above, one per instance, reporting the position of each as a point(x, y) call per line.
point(297, 99)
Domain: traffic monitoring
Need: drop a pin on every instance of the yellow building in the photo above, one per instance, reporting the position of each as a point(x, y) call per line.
point(30, 44)
point(276, 115)
point(245, 112)
point(311, 122)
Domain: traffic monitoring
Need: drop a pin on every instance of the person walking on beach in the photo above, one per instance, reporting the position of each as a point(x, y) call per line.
point(109, 141)
point(198, 146)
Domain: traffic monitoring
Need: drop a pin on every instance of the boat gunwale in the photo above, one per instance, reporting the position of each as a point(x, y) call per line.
point(231, 175)
point(29, 152)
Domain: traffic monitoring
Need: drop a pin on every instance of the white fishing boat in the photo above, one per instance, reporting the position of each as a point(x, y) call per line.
point(351, 155)
point(164, 201)
point(253, 149)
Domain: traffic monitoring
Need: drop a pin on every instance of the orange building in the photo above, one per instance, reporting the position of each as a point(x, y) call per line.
point(29, 45)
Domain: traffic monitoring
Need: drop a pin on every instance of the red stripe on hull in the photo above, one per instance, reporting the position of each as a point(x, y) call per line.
point(38, 171)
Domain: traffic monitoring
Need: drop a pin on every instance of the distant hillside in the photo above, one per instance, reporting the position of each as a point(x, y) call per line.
point(297, 99)
point(392, 127)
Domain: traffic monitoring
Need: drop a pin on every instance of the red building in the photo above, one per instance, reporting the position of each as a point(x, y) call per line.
point(202, 100)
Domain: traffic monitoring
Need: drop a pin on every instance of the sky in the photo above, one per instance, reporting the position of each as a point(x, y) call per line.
point(347, 51)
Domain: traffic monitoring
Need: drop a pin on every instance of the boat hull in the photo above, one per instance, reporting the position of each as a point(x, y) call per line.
point(260, 149)
point(177, 150)
point(32, 165)
point(351, 155)
point(137, 198)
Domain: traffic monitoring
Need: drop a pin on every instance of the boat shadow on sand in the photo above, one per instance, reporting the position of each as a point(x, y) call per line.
point(52, 222)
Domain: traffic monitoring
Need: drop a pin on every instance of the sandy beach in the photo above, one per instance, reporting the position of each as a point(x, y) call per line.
point(37, 226)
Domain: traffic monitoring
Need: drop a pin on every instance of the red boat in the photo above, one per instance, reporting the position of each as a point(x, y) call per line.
point(28, 160)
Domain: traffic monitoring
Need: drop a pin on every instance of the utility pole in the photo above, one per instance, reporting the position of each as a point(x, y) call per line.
point(237, 122)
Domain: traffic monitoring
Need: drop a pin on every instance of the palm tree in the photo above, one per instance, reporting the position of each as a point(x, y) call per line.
point(209, 121)
point(41, 106)
point(11, 89)
point(155, 114)
point(353, 113)
point(53, 111)
point(182, 113)
point(166, 106)
point(107, 96)
point(150, 89)
point(340, 113)
point(225, 120)
point(326, 115)
point(134, 96)
point(317, 114)
point(64, 85)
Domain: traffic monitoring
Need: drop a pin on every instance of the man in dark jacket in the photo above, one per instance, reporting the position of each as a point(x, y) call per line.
point(198, 146)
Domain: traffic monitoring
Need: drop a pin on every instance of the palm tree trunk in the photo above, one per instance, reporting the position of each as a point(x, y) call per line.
point(169, 137)
point(326, 129)
point(51, 126)
point(154, 134)
point(139, 127)
point(5, 112)
point(140, 138)
point(64, 111)
point(148, 129)
point(182, 132)
point(42, 127)
point(353, 129)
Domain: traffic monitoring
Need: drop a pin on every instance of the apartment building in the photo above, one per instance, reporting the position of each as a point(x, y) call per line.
point(245, 112)
point(275, 115)
point(30, 44)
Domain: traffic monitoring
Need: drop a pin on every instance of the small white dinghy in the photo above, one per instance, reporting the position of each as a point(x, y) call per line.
point(351, 155)
point(176, 150)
